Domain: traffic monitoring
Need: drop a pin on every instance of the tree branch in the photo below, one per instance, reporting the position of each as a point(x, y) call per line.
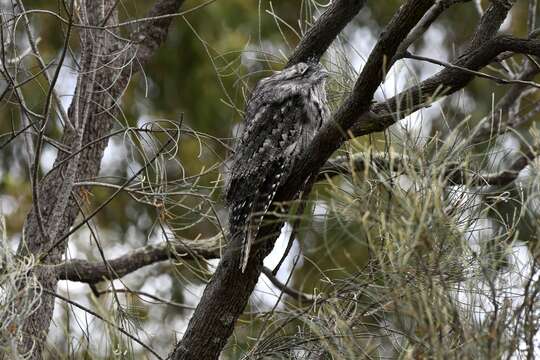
point(444, 83)
point(153, 33)
point(424, 24)
point(385, 114)
point(92, 272)
point(327, 27)
point(491, 21)
point(496, 79)
point(502, 178)
point(295, 294)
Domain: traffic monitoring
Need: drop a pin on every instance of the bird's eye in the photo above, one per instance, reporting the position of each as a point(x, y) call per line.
point(302, 68)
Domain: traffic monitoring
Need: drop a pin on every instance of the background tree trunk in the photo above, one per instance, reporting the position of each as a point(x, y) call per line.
point(105, 67)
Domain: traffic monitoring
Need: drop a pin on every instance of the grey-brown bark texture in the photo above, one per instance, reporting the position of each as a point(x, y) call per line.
point(105, 69)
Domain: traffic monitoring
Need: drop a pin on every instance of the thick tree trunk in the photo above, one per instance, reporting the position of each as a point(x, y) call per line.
point(105, 68)
point(58, 185)
point(225, 298)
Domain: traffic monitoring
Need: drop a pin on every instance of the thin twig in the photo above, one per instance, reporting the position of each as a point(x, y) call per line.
point(93, 313)
point(106, 202)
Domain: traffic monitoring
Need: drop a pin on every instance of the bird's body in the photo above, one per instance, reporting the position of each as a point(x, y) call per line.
point(283, 114)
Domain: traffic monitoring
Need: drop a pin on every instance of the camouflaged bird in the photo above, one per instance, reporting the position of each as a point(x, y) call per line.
point(282, 116)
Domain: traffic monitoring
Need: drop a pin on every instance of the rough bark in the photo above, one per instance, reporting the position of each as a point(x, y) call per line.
point(104, 77)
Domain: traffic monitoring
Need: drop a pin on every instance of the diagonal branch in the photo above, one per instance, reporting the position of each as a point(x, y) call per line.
point(444, 83)
point(491, 22)
point(496, 79)
point(325, 30)
point(227, 294)
point(384, 114)
point(334, 132)
point(153, 33)
point(424, 24)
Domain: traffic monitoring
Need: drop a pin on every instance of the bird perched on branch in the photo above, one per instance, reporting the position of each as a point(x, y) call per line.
point(282, 116)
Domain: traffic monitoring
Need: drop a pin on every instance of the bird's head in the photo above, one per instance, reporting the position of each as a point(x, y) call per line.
point(299, 79)
point(309, 72)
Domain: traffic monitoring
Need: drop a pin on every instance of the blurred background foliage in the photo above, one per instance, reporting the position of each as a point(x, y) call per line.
point(201, 77)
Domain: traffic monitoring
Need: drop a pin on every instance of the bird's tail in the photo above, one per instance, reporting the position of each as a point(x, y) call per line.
point(262, 202)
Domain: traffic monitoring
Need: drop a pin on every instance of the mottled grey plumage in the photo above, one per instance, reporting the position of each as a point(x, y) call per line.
point(283, 114)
